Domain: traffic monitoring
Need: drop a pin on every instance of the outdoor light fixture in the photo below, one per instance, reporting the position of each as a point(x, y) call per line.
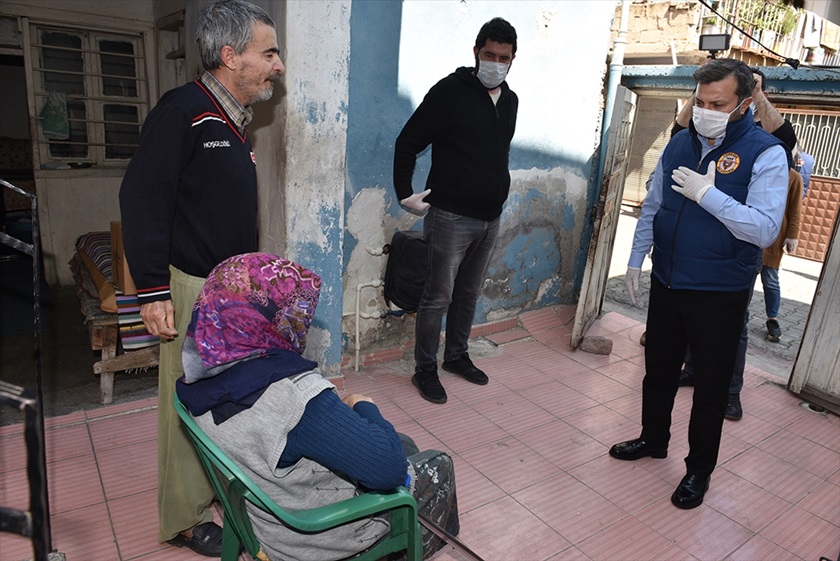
point(714, 43)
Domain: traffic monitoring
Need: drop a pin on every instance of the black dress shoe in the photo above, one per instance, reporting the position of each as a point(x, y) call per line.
point(635, 449)
point(733, 408)
point(428, 383)
point(690, 491)
point(206, 540)
point(465, 367)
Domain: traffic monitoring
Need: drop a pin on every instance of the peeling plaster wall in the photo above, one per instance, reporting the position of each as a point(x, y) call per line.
point(399, 50)
point(317, 42)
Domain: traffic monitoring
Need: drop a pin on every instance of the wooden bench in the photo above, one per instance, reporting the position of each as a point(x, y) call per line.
point(104, 331)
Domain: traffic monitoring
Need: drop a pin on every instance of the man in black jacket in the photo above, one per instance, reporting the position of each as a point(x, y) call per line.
point(469, 118)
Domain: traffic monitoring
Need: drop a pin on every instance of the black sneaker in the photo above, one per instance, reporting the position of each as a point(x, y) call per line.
point(774, 332)
point(428, 383)
point(464, 367)
point(733, 408)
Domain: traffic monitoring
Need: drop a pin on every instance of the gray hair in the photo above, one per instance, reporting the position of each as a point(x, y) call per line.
point(227, 22)
point(720, 68)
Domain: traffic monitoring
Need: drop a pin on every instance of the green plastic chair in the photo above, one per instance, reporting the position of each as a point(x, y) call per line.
point(233, 488)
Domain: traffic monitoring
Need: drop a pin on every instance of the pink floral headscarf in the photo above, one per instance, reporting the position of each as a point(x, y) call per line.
point(251, 304)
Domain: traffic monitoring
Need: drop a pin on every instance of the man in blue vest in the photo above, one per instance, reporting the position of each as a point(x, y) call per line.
point(716, 199)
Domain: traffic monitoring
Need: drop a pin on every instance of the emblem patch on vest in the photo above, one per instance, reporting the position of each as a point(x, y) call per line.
point(728, 163)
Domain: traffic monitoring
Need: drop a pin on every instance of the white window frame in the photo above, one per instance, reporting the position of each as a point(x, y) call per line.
point(93, 97)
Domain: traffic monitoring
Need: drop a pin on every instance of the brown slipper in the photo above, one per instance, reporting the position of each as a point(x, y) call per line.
point(206, 540)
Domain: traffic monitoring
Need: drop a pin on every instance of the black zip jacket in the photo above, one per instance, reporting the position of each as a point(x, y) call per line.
point(470, 138)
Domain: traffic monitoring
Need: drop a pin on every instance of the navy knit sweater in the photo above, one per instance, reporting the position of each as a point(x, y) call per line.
point(189, 195)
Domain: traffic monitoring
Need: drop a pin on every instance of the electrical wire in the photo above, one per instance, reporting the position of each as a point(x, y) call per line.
point(793, 62)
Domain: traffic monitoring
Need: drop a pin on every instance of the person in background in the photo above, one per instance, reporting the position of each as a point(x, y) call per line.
point(767, 117)
point(188, 201)
point(706, 228)
point(804, 163)
point(282, 422)
point(786, 242)
point(469, 118)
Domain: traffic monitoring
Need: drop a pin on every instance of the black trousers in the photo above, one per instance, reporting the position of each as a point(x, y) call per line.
point(710, 323)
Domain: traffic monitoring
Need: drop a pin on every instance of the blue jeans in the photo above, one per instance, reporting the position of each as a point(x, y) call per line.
point(772, 291)
point(459, 250)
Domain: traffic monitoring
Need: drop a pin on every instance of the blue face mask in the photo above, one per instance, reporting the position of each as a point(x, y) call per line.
point(492, 74)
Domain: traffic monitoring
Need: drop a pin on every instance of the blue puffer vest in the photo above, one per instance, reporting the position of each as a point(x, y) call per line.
point(692, 249)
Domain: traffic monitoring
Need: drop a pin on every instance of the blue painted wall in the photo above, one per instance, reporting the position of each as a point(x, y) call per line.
point(398, 50)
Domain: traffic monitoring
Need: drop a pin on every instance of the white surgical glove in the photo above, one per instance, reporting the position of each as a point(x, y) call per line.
point(691, 184)
point(631, 279)
point(790, 244)
point(415, 203)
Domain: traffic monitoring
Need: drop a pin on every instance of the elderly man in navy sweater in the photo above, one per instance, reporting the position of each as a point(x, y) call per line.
point(717, 198)
point(189, 201)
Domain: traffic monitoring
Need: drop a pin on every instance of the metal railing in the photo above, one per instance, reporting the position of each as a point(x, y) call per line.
point(819, 135)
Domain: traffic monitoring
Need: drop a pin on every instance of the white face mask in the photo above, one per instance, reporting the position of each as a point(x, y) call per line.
point(492, 74)
point(710, 123)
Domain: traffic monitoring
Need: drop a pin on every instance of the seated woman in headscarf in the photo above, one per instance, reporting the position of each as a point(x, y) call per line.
point(276, 416)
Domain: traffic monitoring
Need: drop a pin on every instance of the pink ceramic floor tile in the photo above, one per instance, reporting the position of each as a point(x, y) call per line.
point(759, 548)
point(591, 360)
point(461, 428)
point(571, 554)
point(510, 464)
point(514, 413)
point(691, 529)
point(629, 406)
point(731, 447)
point(123, 430)
point(631, 540)
point(568, 506)
point(626, 343)
point(824, 502)
point(389, 410)
point(803, 453)
point(474, 489)
point(421, 437)
point(137, 534)
point(625, 372)
point(505, 530)
point(110, 410)
point(745, 503)
point(510, 335)
point(61, 443)
point(615, 322)
point(557, 366)
point(804, 534)
point(407, 398)
point(774, 404)
point(562, 444)
point(525, 376)
point(558, 399)
point(12, 454)
point(73, 484)
point(596, 386)
point(824, 429)
point(772, 474)
point(625, 484)
point(554, 338)
point(84, 533)
point(604, 425)
point(471, 394)
point(750, 428)
point(129, 469)
point(539, 320)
